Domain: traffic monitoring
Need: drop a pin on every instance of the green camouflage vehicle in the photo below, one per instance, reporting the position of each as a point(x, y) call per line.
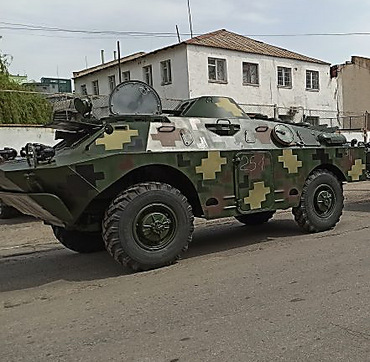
point(134, 181)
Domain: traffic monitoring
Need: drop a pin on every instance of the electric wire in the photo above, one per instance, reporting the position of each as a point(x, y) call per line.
point(143, 34)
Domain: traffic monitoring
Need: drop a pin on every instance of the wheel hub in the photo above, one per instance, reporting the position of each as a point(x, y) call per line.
point(324, 200)
point(155, 226)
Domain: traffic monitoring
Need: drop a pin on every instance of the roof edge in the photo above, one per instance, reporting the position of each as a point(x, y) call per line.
point(83, 72)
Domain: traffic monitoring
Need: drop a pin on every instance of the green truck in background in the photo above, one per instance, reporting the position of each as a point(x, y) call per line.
point(133, 182)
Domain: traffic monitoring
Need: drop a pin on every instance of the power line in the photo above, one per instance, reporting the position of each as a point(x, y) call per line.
point(18, 26)
point(317, 34)
point(143, 34)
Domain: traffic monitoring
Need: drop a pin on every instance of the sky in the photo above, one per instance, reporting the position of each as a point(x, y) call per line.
point(145, 25)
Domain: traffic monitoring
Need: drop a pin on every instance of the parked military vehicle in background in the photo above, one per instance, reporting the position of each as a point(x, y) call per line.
point(134, 181)
point(6, 211)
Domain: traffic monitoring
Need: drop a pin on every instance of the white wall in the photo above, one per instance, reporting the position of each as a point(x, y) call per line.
point(359, 136)
point(189, 65)
point(267, 92)
point(18, 136)
point(178, 89)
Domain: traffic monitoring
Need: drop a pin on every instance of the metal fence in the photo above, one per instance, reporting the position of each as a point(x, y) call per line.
point(64, 102)
point(356, 122)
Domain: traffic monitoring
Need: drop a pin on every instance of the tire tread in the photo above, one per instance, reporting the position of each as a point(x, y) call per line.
point(300, 212)
point(111, 218)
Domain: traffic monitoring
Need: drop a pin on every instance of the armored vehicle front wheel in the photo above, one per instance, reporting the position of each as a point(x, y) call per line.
point(81, 242)
point(256, 218)
point(148, 226)
point(321, 202)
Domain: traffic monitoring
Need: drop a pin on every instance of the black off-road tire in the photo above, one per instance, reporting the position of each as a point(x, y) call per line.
point(81, 242)
point(7, 212)
point(321, 202)
point(148, 226)
point(256, 218)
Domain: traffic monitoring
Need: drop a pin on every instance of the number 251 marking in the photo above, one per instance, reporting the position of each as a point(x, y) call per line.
point(250, 164)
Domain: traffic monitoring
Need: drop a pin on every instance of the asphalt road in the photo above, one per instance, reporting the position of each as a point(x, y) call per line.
point(240, 294)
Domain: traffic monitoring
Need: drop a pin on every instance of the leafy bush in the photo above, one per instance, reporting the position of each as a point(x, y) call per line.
point(18, 105)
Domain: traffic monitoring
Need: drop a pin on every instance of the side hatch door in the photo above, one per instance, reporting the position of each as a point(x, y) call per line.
point(254, 182)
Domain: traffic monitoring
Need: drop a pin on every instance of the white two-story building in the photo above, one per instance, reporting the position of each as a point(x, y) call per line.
point(263, 78)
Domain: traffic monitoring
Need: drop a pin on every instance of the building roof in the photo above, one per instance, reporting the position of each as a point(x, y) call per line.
point(112, 63)
point(222, 39)
point(225, 39)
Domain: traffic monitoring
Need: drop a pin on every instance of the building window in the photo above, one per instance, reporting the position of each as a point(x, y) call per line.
point(126, 76)
point(250, 73)
point(148, 74)
point(83, 89)
point(314, 120)
point(112, 82)
point(217, 70)
point(166, 72)
point(284, 77)
point(312, 80)
point(95, 86)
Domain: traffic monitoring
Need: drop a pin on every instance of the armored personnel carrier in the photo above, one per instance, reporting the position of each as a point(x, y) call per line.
point(134, 181)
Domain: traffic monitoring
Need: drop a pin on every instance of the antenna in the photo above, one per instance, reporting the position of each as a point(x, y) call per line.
point(178, 34)
point(190, 22)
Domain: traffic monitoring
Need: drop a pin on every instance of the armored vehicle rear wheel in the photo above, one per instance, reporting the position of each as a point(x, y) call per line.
point(321, 202)
point(81, 242)
point(256, 218)
point(148, 226)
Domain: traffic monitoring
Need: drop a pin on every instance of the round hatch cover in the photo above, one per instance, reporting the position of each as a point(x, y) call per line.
point(283, 134)
point(134, 97)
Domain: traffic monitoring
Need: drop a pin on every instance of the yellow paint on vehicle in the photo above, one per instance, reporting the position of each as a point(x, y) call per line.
point(257, 195)
point(290, 161)
point(117, 139)
point(356, 170)
point(211, 165)
point(228, 106)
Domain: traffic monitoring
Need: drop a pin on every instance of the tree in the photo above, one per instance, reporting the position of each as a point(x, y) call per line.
point(18, 105)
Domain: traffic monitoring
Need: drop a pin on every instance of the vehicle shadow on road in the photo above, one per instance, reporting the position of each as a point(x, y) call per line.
point(18, 220)
point(33, 270)
point(226, 236)
point(37, 269)
point(359, 206)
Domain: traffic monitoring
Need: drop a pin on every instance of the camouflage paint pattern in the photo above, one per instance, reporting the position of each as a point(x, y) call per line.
point(236, 165)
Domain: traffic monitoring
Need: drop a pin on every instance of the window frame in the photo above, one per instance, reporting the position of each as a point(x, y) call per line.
point(95, 87)
point(83, 88)
point(148, 74)
point(285, 71)
point(166, 73)
point(113, 84)
point(124, 76)
point(216, 66)
point(257, 83)
point(310, 79)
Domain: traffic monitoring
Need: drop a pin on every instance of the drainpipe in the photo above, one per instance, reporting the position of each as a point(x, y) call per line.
point(119, 62)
